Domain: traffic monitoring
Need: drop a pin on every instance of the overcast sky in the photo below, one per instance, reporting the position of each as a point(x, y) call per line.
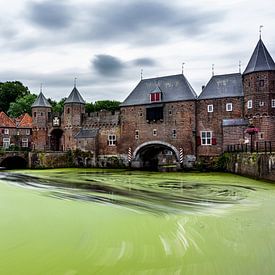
point(106, 43)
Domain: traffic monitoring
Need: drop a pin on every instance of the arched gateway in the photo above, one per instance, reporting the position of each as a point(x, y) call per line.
point(153, 154)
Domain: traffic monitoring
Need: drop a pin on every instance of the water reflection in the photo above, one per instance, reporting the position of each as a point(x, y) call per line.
point(158, 197)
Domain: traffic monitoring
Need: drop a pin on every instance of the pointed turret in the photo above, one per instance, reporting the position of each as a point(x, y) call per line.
point(41, 101)
point(260, 60)
point(75, 97)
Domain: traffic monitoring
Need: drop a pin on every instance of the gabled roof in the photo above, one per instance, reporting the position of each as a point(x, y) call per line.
point(219, 86)
point(85, 133)
point(173, 88)
point(6, 121)
point(260, 60)
point(25, 121)
point(41, 101)
point(75, 97)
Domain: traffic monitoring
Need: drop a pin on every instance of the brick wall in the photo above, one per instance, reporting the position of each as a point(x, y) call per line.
point(212, 121)
point(179, 116)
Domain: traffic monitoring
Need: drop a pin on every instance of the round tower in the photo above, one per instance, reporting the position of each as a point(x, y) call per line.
point(259, 92)
point(41, 116)
point(74, 110)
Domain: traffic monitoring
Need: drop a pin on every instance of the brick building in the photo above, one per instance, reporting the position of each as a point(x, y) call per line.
point(163, 121)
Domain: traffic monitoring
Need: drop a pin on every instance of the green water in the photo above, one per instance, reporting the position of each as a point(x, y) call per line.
point(87, 221)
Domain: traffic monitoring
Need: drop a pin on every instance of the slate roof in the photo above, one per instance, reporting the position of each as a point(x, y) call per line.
point(6, 121)
point(75, 97)
point(226, 85)
point(260, 60)
point(25, 121)
point(173, 88)
point(234, 122)
point(41, 101)
point(85, 133)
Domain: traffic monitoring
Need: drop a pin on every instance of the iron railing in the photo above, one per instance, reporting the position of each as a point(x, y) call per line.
point(258, 147)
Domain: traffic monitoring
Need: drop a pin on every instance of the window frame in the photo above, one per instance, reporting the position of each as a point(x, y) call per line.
point(249, 104)
point(5, 142)
point(210, 108)
point(112, 140)
point(25, 142)
point(155, 97)
point(6, 131)
point(155, 132)
point(206, 138)
point(273, 103)
point(229, 107)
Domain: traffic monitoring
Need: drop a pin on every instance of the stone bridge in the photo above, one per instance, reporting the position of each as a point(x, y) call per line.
point(14, 159)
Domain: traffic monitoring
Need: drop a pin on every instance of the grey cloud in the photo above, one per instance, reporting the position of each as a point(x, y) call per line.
point(155, 20)
point(145, 61)
point(50, 14)
point(107, 65)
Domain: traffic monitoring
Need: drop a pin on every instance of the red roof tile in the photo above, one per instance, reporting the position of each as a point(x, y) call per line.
point(6, 121)
point(26, 121)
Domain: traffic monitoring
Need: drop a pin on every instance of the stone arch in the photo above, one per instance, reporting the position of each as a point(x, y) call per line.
point(56, 139)
point(14, 162)
point(147, 154)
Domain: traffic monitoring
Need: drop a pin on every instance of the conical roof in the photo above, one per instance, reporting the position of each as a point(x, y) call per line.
point(75, 97)
point(41, 101)
point(260, 60)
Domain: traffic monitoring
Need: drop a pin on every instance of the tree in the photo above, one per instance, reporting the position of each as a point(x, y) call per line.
point(57, 107)
point(22, 105)
point(10, 91)
point(108, 105)
point(89, 107)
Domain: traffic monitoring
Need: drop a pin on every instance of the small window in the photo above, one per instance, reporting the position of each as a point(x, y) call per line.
point(25, 142)
point(6, 131)
point(210, 108)
point(34, 114)
point(137, 134)
point(170, 112)
point(6, 143)
point(273, 103)
point(261, 135)
point(261, 83)
point(41, 114)
point(112, 140)
point(261, 103)
point(155, 97)
point(229, 107)
point(140, 114)
point(155, 132)
point(206, 138)
point(174, 133)
point(249, 104)
point(28, 132)
point(68, 110)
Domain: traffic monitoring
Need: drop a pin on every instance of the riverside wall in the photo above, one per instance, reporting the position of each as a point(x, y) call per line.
point(255, 165)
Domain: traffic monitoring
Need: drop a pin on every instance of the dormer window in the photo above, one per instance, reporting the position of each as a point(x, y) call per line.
point(155, 97)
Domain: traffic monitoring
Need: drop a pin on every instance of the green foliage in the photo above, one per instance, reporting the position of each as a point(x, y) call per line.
point(10, 91)
point(57, 107)
point(22, 105)
point(108, 105)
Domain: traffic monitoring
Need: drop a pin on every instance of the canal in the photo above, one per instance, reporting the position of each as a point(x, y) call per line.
point(92, 221)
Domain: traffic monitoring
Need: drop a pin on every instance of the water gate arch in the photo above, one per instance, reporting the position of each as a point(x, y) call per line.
point(14, 162)
point(147, 155)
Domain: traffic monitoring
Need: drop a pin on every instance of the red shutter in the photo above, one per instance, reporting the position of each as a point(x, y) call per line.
point(198, 140)
point(157, 96)
point(214, 141)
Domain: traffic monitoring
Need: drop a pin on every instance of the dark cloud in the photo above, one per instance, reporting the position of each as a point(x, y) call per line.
point(147, 62)
point(107, 65)
point(134, 22)
point(50, 14)
point(147, 21)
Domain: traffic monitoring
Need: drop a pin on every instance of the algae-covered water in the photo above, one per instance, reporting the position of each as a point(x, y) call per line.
point(88, 221)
